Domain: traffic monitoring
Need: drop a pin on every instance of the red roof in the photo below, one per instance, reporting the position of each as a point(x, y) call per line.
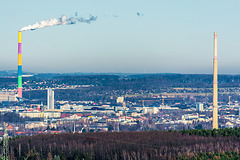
point(20, 132)
point(55, 131)
point(9, 127)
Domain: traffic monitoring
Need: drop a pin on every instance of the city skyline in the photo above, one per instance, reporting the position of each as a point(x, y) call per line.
point(127, 37)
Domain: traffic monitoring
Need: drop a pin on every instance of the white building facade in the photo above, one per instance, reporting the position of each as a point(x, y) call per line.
point(50, 99)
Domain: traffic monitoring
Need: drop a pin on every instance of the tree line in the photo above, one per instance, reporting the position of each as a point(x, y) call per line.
point(209, 155)
point(213, 132)
point(122, 145)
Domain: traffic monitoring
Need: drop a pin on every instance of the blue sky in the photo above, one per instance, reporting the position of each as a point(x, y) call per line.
point(171, 37)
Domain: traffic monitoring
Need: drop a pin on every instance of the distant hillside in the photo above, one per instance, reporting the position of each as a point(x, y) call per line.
point(104, 86)
point(122, 145)
point(149, 80)
point(8, 73)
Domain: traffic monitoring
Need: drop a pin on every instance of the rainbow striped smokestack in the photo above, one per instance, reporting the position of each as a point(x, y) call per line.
point(20, 64)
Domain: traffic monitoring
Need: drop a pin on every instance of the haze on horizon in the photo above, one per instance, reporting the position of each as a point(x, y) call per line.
point(135, 36)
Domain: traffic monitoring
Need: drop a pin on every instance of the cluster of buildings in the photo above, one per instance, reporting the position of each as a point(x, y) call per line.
point(89, 116)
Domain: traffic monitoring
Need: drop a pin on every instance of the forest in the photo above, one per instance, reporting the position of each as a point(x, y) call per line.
point(104, 87)
point(185, 144)
point(221, 156)
point(213, 133)
point(134, 81)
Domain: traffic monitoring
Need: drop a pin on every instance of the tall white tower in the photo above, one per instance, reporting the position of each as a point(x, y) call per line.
point(215, 85)
point(50, 99)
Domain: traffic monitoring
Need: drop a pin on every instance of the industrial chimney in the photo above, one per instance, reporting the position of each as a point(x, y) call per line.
point(20, 64)
point(215, 85)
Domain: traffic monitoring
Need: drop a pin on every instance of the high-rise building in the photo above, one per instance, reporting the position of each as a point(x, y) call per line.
point(50, 99)
point(199, 106)
point(239, 112)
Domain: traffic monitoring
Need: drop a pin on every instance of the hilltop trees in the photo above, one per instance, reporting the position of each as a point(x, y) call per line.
point(129, 145)
point(213, 133)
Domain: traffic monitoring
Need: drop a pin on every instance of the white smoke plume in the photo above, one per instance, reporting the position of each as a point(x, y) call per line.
point(60, 21)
